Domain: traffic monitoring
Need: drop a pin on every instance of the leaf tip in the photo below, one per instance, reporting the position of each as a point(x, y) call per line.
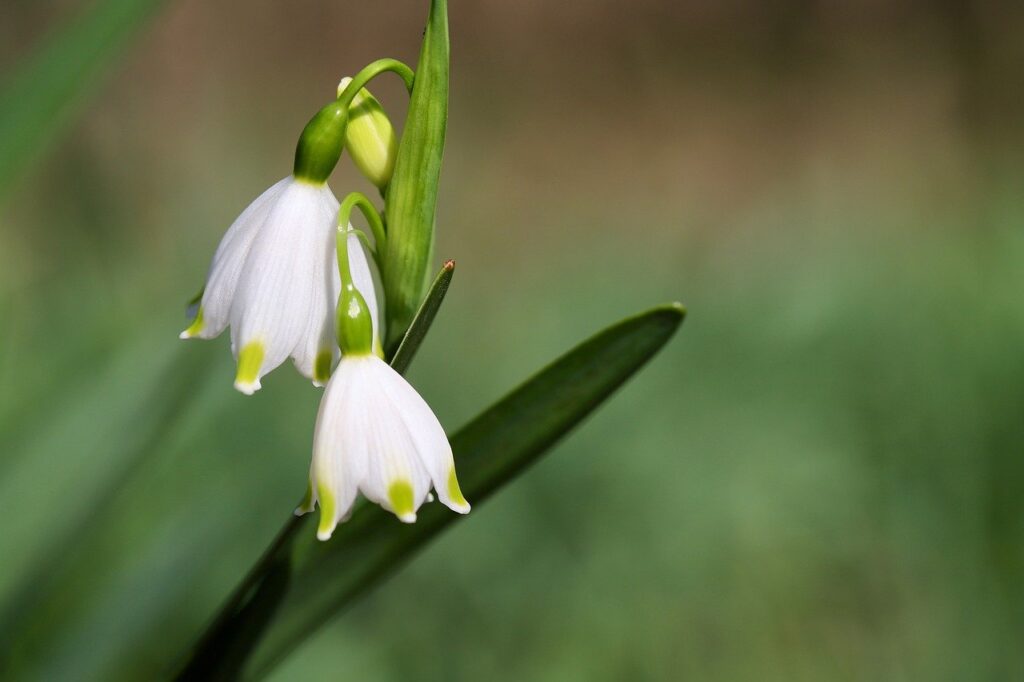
point(678, 308)
point(675, 311)
point(671, 315)
point(449, 265)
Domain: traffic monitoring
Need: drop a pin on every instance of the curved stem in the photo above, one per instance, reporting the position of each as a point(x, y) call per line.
point(341, 244)
point(363, 203)
point(371, 71)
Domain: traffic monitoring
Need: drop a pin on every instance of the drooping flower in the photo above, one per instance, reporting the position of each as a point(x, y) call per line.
point(374, 434)
point(274, 280)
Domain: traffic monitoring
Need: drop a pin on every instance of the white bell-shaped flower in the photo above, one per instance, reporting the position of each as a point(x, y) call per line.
point(376, 435)
point(274, 279)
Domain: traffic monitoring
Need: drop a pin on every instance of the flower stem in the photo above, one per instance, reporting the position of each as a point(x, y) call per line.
point(371, 71)
point(369, 211)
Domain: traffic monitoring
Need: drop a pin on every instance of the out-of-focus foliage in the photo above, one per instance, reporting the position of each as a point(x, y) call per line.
point(40, 93)
point(821, 479)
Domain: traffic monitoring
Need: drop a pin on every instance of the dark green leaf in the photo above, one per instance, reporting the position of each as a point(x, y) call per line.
point(424, 318)
point(300, 582)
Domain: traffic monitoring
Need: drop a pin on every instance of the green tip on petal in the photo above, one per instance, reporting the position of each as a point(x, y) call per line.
point(249, 362)
point(195, 328)
point(328, 508)
point(322, 366)
point(455, 493)
point(400, 496)
point(306, 505)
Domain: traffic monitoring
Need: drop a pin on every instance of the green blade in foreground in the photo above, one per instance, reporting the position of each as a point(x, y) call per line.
point(37, 98)
point(424, 318)
point(300, 582)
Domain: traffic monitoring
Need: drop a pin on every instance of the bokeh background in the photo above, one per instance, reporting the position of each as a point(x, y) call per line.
point(822, 477)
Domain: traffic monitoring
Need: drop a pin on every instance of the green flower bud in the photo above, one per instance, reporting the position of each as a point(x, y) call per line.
point(320, 144)
point(355, 324)
point(369, 137)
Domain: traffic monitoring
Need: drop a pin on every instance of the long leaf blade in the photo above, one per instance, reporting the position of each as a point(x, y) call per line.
point(424, 318)
point(411, 198)
point(37, 98)
point(300, 583)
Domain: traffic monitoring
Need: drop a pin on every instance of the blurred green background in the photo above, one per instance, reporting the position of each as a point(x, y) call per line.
point(822, 477)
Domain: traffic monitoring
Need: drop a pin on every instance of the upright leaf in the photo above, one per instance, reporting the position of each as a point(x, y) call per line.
point(412, 195)
point(300, 582)
point(424, 318)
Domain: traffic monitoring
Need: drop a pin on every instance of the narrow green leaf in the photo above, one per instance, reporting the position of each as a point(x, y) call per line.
point(411, 197)
point(424, 318)
point(38, 97)
point(300, 582)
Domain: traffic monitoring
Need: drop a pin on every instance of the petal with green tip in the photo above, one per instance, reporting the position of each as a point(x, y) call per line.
point(250, 361)
point(196, 328)
point(400, 496)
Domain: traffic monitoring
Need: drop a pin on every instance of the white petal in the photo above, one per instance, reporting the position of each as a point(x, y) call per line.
point(317, 349)
point(432, 447)
point(339, 449)
point(320, 337)
point(275, 290)
point(392, 460)
point(226, 266)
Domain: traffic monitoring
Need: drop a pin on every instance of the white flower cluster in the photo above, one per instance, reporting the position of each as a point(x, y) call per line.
point(275, 281)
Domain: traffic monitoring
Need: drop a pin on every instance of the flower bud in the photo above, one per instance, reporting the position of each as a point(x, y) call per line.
point(370, 138)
